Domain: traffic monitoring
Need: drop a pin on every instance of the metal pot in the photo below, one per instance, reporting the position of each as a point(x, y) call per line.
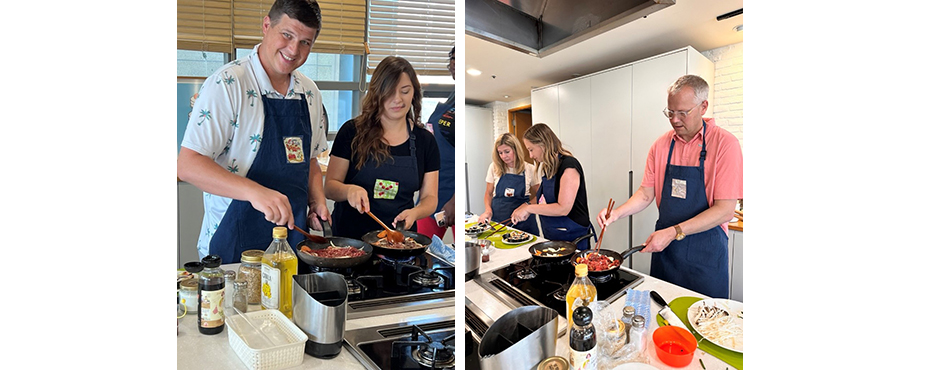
point(472, 259)
point(520, 339)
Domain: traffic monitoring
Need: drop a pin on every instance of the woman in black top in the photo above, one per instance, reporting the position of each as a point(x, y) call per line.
point(382, 157)
point(562, 201)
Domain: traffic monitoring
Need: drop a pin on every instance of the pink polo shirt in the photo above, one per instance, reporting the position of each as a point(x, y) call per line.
point(723, 166)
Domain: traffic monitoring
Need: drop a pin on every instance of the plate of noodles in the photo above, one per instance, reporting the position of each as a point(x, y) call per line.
point(720, 321)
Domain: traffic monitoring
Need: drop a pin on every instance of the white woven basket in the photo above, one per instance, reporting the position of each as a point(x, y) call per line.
point(271, 358)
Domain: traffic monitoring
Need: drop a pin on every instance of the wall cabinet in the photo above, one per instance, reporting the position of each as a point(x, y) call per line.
point(609, 120)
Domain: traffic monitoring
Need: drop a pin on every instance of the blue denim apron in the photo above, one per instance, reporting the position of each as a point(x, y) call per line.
point(444, 112)
point(397, 171)
point(243, 227)
point(699, 261)
point(502, 206)
point(560, 227)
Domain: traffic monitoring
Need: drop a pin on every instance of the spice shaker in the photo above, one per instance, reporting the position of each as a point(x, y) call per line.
point(627, 320)
point(230, 286)
point(637, 335)
point(250, 270)
point(241, 301)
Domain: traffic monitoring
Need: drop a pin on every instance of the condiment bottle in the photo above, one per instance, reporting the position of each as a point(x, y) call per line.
point(638, 334)
point(580, 293)
point(582, 340)
point(250, 270)
point(279, 265)
point(241, 299)
point(210, 292)
point(627, 320)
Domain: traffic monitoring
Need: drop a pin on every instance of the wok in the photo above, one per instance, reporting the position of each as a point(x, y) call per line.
point(609, 253)
point(372, 238)
point(569, 250)
point(343, 262)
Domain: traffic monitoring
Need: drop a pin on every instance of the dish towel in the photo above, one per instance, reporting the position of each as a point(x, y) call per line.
point(641, 302)
point(441, 250)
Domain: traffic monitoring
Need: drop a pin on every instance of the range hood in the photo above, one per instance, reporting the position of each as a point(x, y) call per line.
point(543, 27)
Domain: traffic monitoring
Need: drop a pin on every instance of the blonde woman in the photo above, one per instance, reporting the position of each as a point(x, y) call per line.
point(562, 201)
point(511, 183)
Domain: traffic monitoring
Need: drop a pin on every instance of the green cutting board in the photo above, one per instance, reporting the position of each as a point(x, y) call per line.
point(496, 238)
point(680, 307)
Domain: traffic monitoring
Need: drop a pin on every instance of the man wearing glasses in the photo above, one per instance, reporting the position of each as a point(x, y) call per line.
point(695, 174)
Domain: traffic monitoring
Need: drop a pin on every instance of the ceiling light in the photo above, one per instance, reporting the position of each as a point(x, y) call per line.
point(738, 28)
point(506, 96)
point(473, 72)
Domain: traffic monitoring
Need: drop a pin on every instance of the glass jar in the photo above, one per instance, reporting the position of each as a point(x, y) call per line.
point(230, 287)
point(250, 270)
point(188, 294)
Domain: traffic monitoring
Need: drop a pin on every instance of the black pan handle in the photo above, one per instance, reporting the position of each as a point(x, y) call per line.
point(588, 235)
point(630, 252)
point(327, 230)
point(400, 225)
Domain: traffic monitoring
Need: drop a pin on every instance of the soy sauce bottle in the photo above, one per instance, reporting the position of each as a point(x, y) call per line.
point(583, 340)
point(210, 295)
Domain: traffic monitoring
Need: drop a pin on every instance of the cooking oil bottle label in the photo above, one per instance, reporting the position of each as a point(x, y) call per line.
point(211, 308)
point(271, 287)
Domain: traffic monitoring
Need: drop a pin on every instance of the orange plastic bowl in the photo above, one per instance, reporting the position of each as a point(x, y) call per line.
point(674, 345)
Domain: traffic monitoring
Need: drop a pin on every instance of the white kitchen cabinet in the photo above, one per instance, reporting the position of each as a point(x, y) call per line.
point(618, 121)
point(736, 265)
point(546, 107)
point(478, 138)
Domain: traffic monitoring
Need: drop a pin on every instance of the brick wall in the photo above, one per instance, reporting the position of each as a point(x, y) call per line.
point(728, 87)
point(499, 114)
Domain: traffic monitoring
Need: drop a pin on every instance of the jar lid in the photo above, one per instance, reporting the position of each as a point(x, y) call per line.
point(252, 256)
point(553, 363)
point(189, 284)
point(279, 232)
point(581, 269)
point(193, 267)
point(212, 261)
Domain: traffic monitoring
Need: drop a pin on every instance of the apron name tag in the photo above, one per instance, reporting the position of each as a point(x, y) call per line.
point(386, 189)
point(294, 148)
point(679, 188)
point(508, 192)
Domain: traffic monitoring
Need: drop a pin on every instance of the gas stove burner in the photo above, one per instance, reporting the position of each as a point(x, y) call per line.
point(435, 355)
point(526, 273)
point(560, 294)
point(340, 271)
point(427, 279)
point(601, 278)
point(396, 261)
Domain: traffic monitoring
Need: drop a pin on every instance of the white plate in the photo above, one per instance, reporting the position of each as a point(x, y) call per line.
point(532, 238)
point(635, 366)
point(734, 308)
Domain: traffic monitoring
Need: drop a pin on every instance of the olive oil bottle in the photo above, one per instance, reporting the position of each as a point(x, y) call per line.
point(279, 265)
point(580, 293)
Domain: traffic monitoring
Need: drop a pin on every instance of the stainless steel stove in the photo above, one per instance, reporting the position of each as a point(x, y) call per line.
point(383, 286)
point(421, 344)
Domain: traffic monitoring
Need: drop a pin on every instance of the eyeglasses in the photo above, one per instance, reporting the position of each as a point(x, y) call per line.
point(680, 113)
point(449, 65)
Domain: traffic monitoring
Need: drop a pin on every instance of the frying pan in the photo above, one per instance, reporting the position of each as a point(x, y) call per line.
point(569, 250)
point(372, 238)
point(608, 253)
point(344, 262)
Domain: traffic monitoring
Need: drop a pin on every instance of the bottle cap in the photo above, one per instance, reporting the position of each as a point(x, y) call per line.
point(582, 316)
point(193, 267)
point(252, 256)
point(279, 232)
point(212, 261)
point(581, 269)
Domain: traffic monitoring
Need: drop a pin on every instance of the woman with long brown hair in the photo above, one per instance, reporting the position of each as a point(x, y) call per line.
point(511, 183)
point(562, 201)
point(382, 157)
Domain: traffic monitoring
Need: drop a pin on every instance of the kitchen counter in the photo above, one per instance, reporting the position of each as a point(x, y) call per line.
point(495, 308)
point(199, 351)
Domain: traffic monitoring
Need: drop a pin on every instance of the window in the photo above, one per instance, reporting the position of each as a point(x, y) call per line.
point(199, 63)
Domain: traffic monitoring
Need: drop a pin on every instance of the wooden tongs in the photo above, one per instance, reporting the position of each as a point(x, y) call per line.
point(610, 207)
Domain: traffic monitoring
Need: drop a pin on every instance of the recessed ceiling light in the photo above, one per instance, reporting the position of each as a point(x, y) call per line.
point(506, 96)
point(738, 28)
point(473, 72)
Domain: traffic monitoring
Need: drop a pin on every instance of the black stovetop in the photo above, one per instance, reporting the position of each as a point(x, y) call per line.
point(383, 278)
point(551, 280)
point(410, 346)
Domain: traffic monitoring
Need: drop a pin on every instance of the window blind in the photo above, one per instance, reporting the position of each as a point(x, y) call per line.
point(205, 25)
point(421, 31)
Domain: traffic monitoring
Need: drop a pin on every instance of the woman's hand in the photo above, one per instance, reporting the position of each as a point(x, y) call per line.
point(358, 198)
point(520, 214)
point(485, 217)
point(408, 217)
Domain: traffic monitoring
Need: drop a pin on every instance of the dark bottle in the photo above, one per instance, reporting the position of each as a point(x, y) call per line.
point(210, 294)
point(582, 340)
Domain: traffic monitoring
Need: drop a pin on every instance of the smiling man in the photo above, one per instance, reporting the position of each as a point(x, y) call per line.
point(694, 172)
point(252, 148)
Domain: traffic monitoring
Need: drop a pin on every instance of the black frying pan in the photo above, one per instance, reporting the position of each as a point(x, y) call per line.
point(372, 238)
point(344, 262)
point(609, 253)
point(568, 250)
